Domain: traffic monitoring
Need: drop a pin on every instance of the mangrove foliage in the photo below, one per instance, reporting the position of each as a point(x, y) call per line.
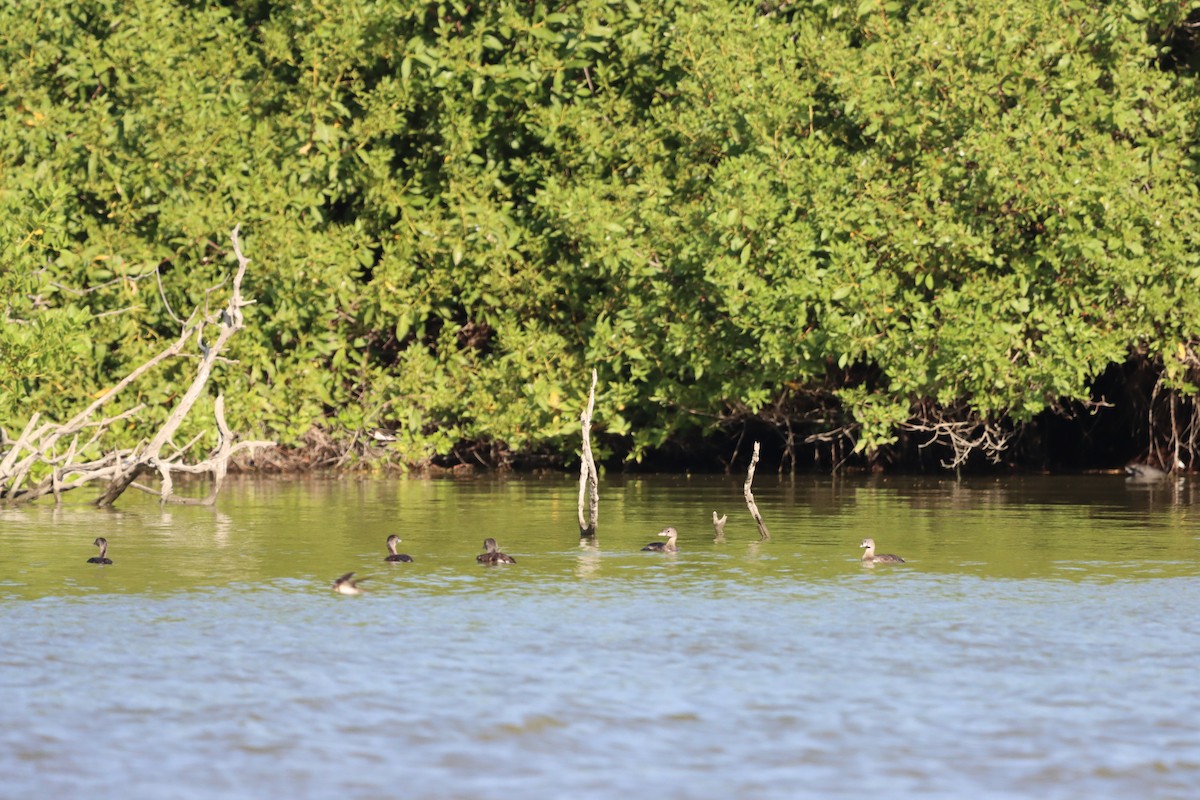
point(867, 226)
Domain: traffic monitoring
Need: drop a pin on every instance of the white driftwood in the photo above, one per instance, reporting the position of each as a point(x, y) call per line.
point(36, 448)
point(763, 533)
point(229, 322)
point(588, 477)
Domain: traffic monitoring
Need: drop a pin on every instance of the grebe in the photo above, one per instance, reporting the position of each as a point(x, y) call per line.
point(664, 547)
point(868, 546)
point(1147, 473)
point(493, 555)
point(102, 543)
point(346, 585)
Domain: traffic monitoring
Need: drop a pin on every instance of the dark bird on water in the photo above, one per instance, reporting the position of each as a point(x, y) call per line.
point(869, 557)
point(664, 547)
point(346, 585)
point(102, 543)
point(392, 541)
point(493, 554)
point(1147, 473)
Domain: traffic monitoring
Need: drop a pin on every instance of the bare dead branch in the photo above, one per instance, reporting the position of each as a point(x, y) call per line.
point(719, 526)
point(36, 449)
point(963, 431)
point(229, 322)
point(588, 478)
point(217, 464)
point(10, 458)
point(180, 451)
point(763, 533)
point(116, 312)
point(163, 294)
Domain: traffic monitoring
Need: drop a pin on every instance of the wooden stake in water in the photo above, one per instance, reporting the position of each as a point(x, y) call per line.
point(763, 533)
point(719, 526)
point(588, 478)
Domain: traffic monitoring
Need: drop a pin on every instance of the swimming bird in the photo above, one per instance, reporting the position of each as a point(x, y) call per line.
point(664, 547)
point(102, 543)
point(493, 554)
point(346, 585)
point(868, 546)
point(392, 541)
point(1146, 473)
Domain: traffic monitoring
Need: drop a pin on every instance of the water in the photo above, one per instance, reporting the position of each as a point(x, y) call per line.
point(1041, 641)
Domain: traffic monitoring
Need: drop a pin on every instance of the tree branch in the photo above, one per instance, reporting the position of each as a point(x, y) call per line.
point(588, 477)
point(763, 533)
point(36, 448)
point(230, 322)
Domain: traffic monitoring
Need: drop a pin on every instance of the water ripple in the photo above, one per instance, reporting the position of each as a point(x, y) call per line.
point(778, 670)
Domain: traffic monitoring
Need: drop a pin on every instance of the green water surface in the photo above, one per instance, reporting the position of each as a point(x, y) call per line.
point(1040, 640)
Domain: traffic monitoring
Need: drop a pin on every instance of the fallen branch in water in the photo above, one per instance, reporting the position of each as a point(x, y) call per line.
point(763, 533)
point(37, 447)
point(230, 321)
point(719, 526)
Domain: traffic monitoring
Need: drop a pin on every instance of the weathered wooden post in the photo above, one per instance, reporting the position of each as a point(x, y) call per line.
point(719, 526)
point(588, 478)
point(763, 533)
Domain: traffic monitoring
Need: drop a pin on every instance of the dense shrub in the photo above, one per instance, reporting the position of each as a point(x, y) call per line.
point(857, 217)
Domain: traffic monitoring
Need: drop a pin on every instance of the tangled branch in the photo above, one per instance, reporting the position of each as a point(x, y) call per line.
point(37, 447)
point(961, 430)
